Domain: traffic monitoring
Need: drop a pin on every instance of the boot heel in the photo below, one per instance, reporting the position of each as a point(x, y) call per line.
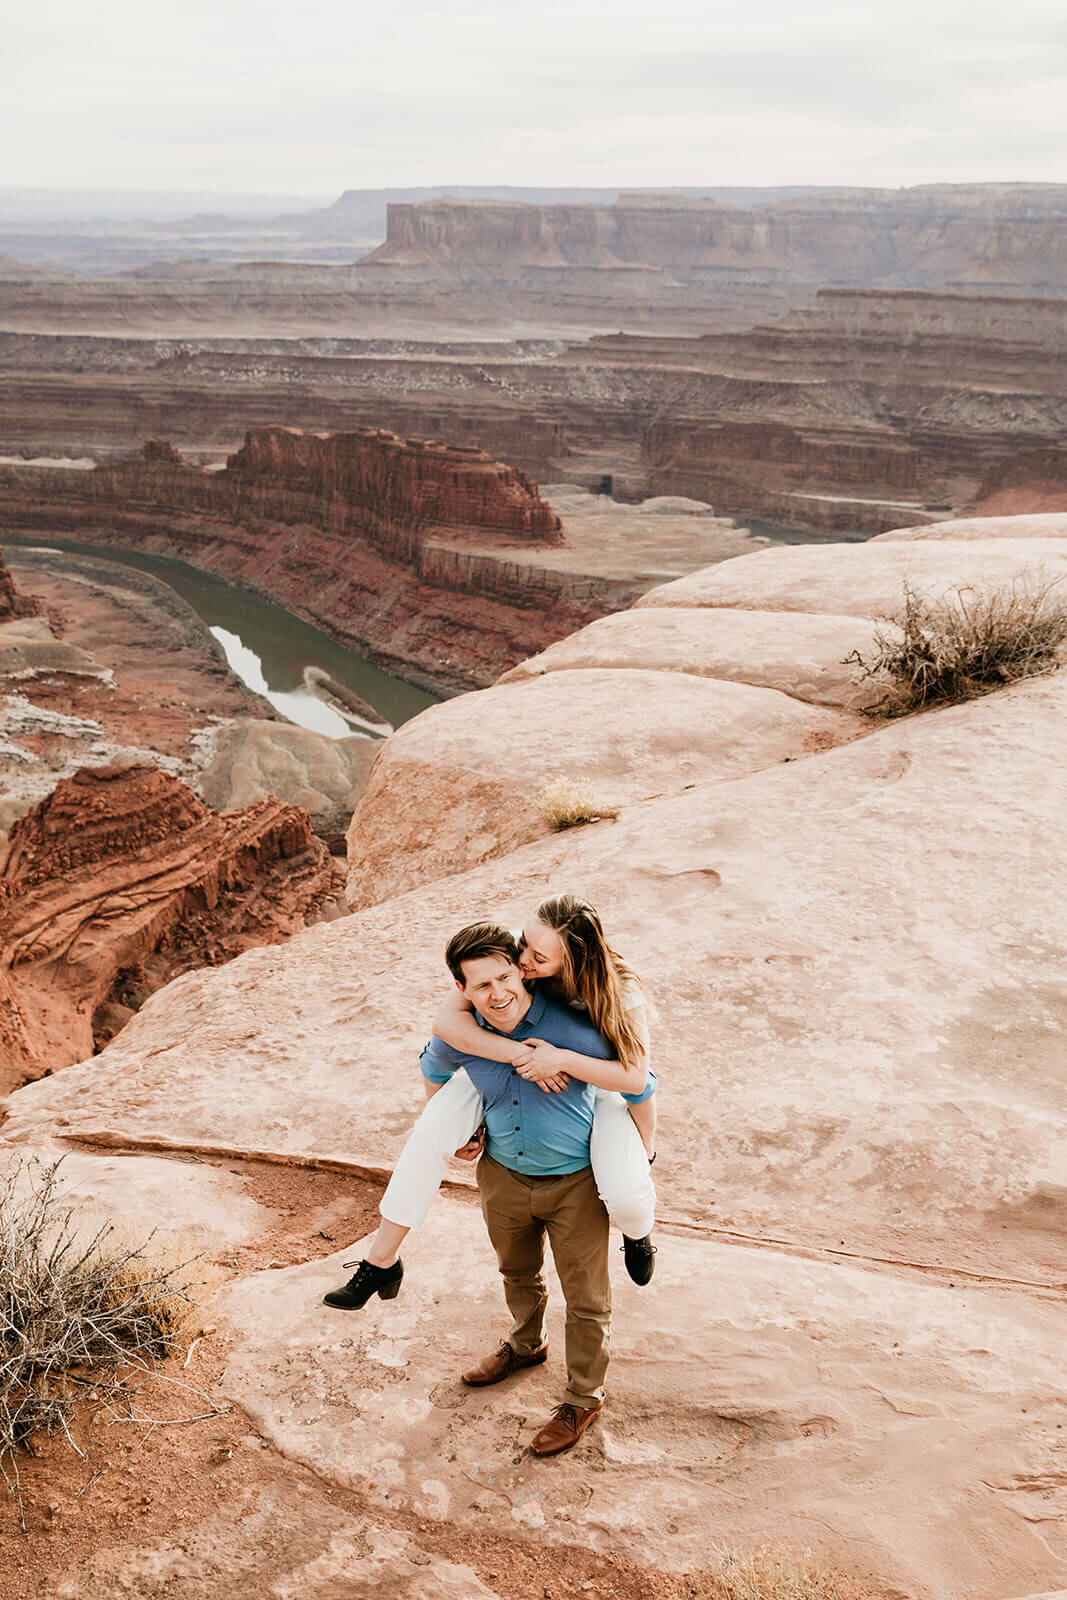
point(389, 1291)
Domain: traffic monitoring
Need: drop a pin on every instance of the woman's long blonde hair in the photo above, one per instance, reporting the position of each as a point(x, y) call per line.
point(592, 972)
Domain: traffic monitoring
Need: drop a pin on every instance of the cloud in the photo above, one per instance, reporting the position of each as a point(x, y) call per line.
point(231, 95)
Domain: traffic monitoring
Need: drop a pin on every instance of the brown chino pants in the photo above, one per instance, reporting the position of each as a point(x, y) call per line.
point(518, 1212)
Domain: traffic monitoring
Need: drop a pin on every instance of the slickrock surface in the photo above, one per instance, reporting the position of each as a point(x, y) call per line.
point(188, 1208)
point(627, 735)
point(864, 580)
point(801, 654)
point(775, 1392)
point(1033, 525)
point(122, 878)
point(854, 1336)
point(799, 901)
point(328, 1551)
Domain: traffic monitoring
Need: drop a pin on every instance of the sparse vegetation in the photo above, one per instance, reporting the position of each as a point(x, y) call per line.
point(967, 643)
point(769, 1574)
point(567, 803)
point(80, 1312)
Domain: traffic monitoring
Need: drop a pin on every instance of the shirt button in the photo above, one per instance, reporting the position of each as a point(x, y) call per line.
point(514, 1102)
point(516, 1130)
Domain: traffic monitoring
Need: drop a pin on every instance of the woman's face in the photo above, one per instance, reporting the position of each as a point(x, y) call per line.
point(541, 955)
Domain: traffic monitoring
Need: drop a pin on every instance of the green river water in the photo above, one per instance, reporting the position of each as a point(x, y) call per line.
point(265, 645)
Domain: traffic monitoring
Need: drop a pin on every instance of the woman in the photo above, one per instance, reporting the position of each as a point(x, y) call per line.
point(565, 948)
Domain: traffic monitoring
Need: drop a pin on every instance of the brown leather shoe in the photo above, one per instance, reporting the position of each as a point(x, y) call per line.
point(563, 1432)
point(501, 1364)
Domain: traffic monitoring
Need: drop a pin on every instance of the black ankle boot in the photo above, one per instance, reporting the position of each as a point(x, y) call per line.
point(640, 1258)
point(367, 1280)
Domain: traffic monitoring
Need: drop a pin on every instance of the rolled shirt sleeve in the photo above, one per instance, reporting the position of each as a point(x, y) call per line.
point(439, 1061)
point(638, 1099)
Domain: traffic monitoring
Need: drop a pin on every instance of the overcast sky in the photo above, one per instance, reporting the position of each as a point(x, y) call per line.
point(227, 95)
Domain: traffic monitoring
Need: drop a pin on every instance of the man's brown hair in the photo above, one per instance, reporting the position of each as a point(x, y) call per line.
point(478, 940)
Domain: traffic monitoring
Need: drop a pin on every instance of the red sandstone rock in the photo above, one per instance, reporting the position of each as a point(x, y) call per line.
point(161, 450)
point(1031, 481)
point(373, 481)
point(122, 879)
point(7, 591)
point(381, 541)
point(13, 604)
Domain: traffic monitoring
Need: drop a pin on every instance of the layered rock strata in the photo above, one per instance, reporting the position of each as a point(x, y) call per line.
point(1031, 481)
point(865, 410)
point(669, 261)
point(120, 880)
point(433, 559)
point(868, 409)
point(1009, 235)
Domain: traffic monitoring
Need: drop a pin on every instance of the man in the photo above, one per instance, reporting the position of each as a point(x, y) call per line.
point(535, 1178)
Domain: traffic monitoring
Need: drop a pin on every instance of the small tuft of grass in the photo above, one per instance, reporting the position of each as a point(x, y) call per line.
point(567, 803)
point(769, 1573)
point(81, 1312)
point(965, 644)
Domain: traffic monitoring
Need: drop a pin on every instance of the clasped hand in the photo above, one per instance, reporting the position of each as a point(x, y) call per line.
point(543, 1064)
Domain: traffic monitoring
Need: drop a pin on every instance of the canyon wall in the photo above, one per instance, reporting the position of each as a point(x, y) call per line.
point(1030, 481)
point(432, 560)
point(1012, 236)
point(673, 262)
point(868, 409)
point(120, 880)
point(865, 410)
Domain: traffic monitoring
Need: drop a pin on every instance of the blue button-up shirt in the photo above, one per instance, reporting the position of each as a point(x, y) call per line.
point(528, 1130)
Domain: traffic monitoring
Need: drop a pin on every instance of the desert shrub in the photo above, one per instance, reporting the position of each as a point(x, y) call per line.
point(769, 1574)
point(567, 803)
point(80, 1311)
point(967, 643)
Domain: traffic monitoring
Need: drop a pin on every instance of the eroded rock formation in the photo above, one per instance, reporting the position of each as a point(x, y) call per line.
point(672, 262)
point(431, 558)
point(1012, 236)
point(122, 879)
point(12, 604)
point(865, 410)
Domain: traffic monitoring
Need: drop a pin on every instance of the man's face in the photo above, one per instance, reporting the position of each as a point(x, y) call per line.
point(495, 989)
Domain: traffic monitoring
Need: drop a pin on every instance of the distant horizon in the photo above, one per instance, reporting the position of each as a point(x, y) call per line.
point(79, 202)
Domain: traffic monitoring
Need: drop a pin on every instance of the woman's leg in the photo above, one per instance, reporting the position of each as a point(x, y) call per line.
point(447, 1122)
point(620, 1167)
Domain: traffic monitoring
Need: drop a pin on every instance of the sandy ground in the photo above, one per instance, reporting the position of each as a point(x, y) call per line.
point(147, 1489)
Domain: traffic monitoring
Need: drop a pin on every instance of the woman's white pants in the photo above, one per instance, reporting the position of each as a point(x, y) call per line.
point(455, 1113)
